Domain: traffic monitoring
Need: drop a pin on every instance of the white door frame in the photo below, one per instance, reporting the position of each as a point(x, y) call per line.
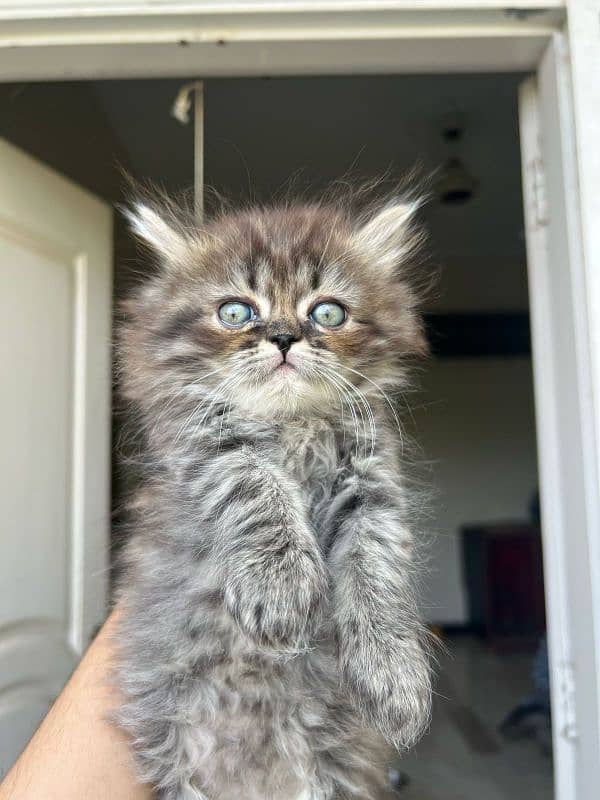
point(558, 41)
point(564, 415)
point(79, 39)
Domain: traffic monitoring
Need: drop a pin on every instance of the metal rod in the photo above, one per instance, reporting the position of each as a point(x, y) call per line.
point(199, 151)
point(181, 112)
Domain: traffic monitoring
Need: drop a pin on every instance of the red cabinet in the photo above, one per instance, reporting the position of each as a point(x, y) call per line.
point(504, 579)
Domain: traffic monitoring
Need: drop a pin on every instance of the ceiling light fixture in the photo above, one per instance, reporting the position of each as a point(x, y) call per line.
point(455, 185)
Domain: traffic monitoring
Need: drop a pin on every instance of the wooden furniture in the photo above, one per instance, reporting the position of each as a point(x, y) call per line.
point(504, 580)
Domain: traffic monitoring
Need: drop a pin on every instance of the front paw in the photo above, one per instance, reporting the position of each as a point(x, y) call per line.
point(389, 680)
point(276, 599)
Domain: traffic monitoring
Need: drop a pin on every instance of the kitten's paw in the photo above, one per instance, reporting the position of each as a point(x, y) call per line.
point(277, 600)
point(389, 680)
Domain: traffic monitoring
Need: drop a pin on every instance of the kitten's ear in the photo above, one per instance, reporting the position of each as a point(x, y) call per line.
point(388, 236)
point(162, 237)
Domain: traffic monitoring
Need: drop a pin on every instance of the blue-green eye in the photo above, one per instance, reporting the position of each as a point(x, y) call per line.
point(329, 315)
point(235, 314)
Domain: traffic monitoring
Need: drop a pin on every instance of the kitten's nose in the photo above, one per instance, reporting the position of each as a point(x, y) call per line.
point(284, 340)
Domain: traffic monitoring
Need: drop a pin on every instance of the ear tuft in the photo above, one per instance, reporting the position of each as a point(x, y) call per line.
point(388, 236)
point(149, 226)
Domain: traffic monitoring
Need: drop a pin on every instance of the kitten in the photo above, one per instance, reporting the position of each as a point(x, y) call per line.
point(270, 647)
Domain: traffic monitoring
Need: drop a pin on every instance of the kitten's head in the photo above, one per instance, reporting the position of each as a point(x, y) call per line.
point(278, 312)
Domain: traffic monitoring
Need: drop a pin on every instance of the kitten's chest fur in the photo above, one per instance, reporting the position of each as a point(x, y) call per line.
point(314, 455)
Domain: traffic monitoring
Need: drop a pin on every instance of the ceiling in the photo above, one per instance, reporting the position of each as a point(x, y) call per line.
point(263, 136)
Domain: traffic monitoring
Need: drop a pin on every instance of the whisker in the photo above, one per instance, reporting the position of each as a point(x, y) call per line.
point(351, 405)
point(369, 411)
point(213, 395)
point(197, 382)
point(342, 415)
point(385, 397)
point(364, 402)
point(341, 399)
point(227, 409)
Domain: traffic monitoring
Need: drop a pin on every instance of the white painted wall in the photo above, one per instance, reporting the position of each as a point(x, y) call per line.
point(474, 421)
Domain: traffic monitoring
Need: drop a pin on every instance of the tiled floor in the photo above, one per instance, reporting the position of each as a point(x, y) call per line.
point(463, 757)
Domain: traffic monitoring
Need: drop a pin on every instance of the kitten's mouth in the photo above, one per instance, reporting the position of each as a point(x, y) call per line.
point(285, 366)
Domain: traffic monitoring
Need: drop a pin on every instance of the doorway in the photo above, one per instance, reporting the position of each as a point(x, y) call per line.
point(475, 404)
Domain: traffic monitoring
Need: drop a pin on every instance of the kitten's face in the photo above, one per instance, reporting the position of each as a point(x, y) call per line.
point(275, 313)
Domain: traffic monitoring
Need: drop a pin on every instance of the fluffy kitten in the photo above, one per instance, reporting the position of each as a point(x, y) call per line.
point(270, 647)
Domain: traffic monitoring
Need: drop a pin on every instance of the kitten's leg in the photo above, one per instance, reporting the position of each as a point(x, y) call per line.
point(273, 571)
point(165, 759)
point(379, 635)
point(158, 692)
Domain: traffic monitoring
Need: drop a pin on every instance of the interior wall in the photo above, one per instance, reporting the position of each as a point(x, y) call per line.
point(475, 426)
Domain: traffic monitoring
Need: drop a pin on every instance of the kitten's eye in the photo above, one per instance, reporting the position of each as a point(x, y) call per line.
point(235, 314)
point(329, 315)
